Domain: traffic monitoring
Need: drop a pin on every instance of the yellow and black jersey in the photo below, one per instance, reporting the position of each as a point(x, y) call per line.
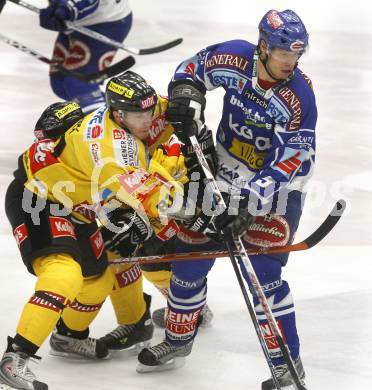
point(95, 161)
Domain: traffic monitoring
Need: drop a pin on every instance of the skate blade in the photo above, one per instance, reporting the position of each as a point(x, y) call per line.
point(172, 364)
point(134, 350)
point(74, 356)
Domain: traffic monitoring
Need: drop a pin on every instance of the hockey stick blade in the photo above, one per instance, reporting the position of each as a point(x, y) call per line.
point(158, 49)
point(318, 235)
point(100, 76)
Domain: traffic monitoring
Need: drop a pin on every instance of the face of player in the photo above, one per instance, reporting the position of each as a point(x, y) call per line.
point(138, 123)
point(282, 62)
point(279, 62)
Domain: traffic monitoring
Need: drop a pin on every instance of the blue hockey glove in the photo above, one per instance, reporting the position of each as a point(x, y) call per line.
point(185, 109)
point(58, 12)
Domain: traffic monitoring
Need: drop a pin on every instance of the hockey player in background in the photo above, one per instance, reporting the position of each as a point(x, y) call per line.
point(63, 183)
point(265, 151)
point(79, 52)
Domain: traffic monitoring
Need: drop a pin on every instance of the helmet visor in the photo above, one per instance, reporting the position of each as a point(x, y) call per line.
point(285, 56)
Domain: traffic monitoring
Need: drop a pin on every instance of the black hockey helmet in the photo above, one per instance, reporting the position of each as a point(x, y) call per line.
point(56, 119)
point(130, 92)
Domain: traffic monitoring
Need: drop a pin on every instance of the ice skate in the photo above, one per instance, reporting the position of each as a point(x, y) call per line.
point(131, 338)
point(71, 347)
point(14, 371)
point(162, 357)
point(284, 377)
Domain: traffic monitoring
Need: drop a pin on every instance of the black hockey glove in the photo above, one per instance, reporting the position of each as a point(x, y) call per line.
point(186, 109)
point(153, 246)
point(205, 139)
point(235, 220)
point(200, 222)
point(125, 231)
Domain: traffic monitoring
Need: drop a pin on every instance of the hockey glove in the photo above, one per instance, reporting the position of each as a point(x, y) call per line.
point(55, 16)
point(235, 220)
point(125, 231)
point(169, 157)
point(58, 12)
point(205, 139)
point(185, 109)
point(152, 247)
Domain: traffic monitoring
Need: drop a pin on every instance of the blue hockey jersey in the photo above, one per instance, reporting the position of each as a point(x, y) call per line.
point(266, 138)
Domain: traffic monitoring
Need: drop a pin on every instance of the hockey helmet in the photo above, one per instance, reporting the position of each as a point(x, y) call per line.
point(130, 92)
point(56, 119)
point(283, 30)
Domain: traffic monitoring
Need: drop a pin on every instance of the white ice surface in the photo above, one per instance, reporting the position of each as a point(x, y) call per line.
point(331, 283)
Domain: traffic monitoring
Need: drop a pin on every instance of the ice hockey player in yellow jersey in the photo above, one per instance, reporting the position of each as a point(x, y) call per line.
point(97, 169)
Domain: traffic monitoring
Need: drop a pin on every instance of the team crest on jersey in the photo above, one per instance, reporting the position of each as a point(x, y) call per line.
point(268, 231)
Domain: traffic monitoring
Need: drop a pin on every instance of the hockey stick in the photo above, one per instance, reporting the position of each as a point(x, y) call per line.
point(91, 78)
point(258, 291)
point(104, 38)
point(322, 231)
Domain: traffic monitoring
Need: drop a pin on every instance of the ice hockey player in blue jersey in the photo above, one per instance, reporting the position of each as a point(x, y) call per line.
point(79, 52)
point(265, 154)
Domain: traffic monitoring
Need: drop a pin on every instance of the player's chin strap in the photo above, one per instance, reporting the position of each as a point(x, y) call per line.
point(242, 254)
